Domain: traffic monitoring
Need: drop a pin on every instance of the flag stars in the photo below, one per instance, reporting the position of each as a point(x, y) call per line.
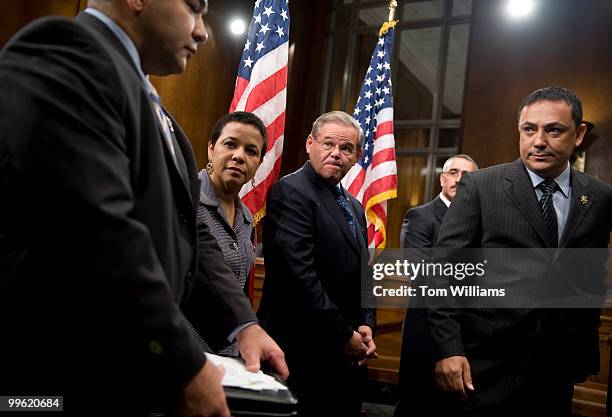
point(268, 11)
point(378, 91)
point(381, 41)
point(260, 46)
point(248, 62)
point(356, 111)
point(366, 159)
point(280, 31)
point(284, 14)
point(380, 78)
point(367, 145)
point(387, 66)
point(367, 120)
point(386, 90)
point(257, 18)
point(368, 94)
point(381, 54)
point(379, 66)
point(257, 2)
point(368, 81)
point(380, 102)
point(247, 45)
point(264, 29)
point(368, 107)
point(369, 70)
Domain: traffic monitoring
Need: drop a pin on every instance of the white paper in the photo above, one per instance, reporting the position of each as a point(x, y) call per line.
point(237, 376)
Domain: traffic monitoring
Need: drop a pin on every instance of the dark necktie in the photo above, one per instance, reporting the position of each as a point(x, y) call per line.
point(548, 188)
point(344, 205)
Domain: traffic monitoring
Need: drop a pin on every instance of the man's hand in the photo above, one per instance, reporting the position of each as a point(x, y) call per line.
point(453, 375)
point(256, 345)
point(203, 395)
point(368, 340)
point(355, 348)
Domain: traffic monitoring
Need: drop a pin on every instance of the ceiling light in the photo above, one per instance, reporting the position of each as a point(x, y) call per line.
point(519, 8)
point(237, 26)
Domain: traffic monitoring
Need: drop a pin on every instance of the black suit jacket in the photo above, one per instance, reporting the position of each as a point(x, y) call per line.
point(417, 394)
point(313, 267)
point(421, 224)
point(497, 208)
point(98, 230)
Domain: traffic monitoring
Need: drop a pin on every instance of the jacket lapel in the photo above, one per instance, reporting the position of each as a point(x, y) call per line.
point(440, 209)
point(519, 188)
point(331, 205)
point(362, 231)
point(580, 203)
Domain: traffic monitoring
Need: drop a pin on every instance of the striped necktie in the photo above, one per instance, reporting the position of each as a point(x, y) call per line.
point(548, 188)
point(164, 121)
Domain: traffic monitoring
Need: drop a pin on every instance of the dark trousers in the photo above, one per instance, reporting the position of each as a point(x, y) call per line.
point(327, 389)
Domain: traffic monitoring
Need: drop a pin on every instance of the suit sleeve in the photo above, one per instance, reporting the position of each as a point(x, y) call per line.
point(290, 234)
point(460, 229)
point(72, 159)
point(368, 300)
point(216, 293)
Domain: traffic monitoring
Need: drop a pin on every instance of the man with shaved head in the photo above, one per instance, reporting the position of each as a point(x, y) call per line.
point(99, 245)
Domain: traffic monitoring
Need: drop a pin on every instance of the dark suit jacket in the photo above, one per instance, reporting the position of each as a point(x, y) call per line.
point(417, 385)
point(497, 208)
point(313, 266)
point(421, 224)
point(98, 230)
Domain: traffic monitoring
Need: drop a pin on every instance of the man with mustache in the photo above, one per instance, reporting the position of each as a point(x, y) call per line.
point(314, 238)
point(420, 230)
point(99, 245)
point(508, 361)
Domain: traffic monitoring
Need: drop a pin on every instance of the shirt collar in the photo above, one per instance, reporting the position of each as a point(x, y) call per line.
point(208, 197)
point(445, 200)
point(563, 180)
point(123, 37)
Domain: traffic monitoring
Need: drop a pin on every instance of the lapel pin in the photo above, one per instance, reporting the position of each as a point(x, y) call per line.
point(584, 199)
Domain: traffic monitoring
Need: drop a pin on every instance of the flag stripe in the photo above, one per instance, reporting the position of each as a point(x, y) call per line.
point(262, 69)
point(267, 89)
point(385, 128)
point(241, 85)
point(385, 155)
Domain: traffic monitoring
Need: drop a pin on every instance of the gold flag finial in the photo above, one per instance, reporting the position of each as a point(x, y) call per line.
point(392, 7)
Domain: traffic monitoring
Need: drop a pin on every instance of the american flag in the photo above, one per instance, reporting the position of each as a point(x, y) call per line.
point(373, 179)
point(261, 88)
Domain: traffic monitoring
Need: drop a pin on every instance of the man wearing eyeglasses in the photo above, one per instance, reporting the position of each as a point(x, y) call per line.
point(418, 390)
point(314, 237)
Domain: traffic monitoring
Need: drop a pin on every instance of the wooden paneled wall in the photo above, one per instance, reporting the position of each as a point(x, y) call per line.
point(563, 43)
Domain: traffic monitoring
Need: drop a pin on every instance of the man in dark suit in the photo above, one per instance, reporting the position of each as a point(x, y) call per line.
point(417, 387)
point(512, 361)
point(98, 233)
point(314, 239)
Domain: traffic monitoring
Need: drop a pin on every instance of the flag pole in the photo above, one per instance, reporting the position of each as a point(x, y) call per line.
point(392, 7)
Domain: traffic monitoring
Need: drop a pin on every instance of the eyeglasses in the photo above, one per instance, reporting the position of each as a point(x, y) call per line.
point(346, 149)
point(453, 172)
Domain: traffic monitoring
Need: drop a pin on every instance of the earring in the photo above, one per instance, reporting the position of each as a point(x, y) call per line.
point(210, 168)
point(253, 182)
